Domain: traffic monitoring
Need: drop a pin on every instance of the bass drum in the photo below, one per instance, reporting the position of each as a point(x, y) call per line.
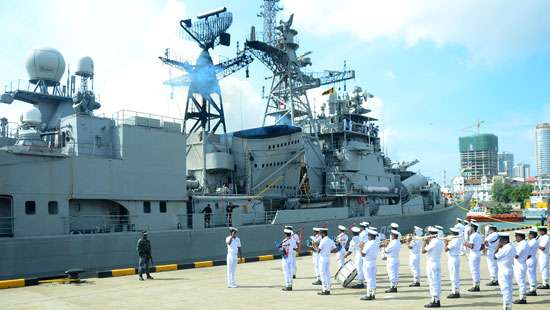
point(346, 274)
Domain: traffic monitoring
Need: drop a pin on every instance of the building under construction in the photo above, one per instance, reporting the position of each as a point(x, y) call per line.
point(478, 156)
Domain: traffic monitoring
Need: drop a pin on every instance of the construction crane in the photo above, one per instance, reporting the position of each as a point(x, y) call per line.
point(476, 125)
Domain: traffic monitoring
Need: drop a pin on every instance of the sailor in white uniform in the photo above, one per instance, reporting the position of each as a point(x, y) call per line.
point(533, 244)
point(392, 263)
point(414, 244)
point(491, 243)
point(296, 238)
point(233, 253)
point(370, 253)
point(474, 256)
point(504, 255)
point(355, 249)
point(287, 246)
point(341, 243)
point(440, 232)
point(465, 236)
point(520, 266)
point(453, 247)
point(460, 226)
point(326, 246)
point(433, 247)
point(315, 239)
point(358, 260)
point(543, 259)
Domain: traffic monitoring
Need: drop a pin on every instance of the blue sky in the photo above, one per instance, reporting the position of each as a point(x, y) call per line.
point(435, 66)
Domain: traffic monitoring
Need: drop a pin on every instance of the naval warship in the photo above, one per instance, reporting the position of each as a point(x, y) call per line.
point(76, 187)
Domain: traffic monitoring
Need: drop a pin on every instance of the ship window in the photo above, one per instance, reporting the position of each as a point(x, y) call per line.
point(30, 207)
point(366, 178)
point(378, 179)
point(146, 207)
point(162, 207)
point(52, 207)
point(255, 165)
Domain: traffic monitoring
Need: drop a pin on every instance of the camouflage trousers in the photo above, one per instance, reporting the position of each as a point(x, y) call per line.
point(144, 264)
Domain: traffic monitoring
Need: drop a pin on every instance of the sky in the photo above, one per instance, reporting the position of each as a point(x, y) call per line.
point(435, 67)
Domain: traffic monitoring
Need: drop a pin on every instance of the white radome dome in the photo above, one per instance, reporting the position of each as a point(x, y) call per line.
point(32, 116)
point(45, 63)
point(85, 67)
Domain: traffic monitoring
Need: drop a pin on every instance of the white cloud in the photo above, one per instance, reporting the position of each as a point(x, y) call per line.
point(390, 75)
point(491, 30)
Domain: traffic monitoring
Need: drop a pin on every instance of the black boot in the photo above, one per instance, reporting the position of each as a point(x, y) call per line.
point(520, 301)
point(287, 288)
point(531, 293)
point(140, 278)
point(149, 277)
point(318, 282)
point(367, 297)
point(493, 283)
point(324, 293)
point(414, 284)
point(454, 295)
point(359, 285)
point(391, 290)
point(474, 289)
point(543, 286)
point(433, 304)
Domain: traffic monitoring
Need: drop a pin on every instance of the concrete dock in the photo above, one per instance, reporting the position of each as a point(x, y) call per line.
point(259, 287)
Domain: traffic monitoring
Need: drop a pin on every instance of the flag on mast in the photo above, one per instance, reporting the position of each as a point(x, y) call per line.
point(328, 91)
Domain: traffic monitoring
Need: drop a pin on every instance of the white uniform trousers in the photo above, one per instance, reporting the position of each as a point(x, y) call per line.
point(369, 271)
point(293, 263)
point(505, 278)
point(414, 264)
point(434, 279)
point(543, 267)
point(392, 267)
point(315, 258)
point(341, 257)
point(492, 265)
point(453, 263)
point(287, 269)
point(532, 273)
point(474, 258)
point(324, 268)
point(358, 263)
point(231, 268)
point(520, 270)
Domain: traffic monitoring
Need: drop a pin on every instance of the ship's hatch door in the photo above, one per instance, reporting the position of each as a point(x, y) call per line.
point(6, 217)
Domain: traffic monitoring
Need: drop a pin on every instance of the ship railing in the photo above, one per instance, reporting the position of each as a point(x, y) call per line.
point(135, 118)
point(97, 224)
point(6, 226)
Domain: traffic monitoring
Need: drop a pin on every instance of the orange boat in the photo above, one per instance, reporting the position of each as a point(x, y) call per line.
point(508, 217)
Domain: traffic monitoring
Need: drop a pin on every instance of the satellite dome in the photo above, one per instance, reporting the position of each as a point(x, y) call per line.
point(46, 64)
point(85, 67)
point(32, 116)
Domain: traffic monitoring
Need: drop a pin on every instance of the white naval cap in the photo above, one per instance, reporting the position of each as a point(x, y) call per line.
point(455, 230)
point(316, 229)
point(418, 231)
point(472, 223)
point(459, 219)
point(233, 228)
point(364, 224)
point(394, 225)
point(432, 229)
point(519, 232)
point(438, 227)
point(342, 227)
point(532, 231)
point(323, 229)
point(373, 228)
point(372, 232)
point(289, 227)
point(394, 232)
point(287, 231)
point(355, 229)
point(465, 222)
point(503, 235)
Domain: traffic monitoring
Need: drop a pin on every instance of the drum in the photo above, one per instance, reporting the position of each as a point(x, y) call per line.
point(346, 273)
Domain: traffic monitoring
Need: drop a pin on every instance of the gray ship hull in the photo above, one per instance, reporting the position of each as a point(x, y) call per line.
point(40, 256)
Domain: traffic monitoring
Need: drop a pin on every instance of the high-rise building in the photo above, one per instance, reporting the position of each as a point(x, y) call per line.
point(542, 149)
point(522, 170)
point(505, 163)
point(478, 156)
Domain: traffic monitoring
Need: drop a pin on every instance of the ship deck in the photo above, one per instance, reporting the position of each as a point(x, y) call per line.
point(259, 287)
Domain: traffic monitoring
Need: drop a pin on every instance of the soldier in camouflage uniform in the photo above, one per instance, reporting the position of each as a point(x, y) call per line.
point(144, 252)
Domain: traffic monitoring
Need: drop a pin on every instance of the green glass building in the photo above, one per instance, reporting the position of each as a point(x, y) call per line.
point(478, 156)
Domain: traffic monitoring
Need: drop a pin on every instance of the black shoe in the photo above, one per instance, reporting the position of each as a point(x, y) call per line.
point(454, 295)
point(474, 289)
point(149, 277)
point(544, 287)
point(531, 293)
point(415, 284)
point(141, 278)
point(287, 288)
point(492, 283)
point(433, 304)
point(391, 290)
point(520, 301)
point(294, 277)
point(318, 282)
point(359, 285)
point(367, 297)
point(324, 293)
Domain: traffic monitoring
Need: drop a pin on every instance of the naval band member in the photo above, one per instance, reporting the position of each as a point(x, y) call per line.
point(504, 255)
point(491, 243)
point(315, 239)
point(369, 252)
point(433, 247)
point(326, 246)
point(392, 260)
point(414, 244)
point(453, 247)
point(355, 249)
point(520, 266)
point(341, 243)
point(145, 256)
point(544, 245)
point(287, 246)
point(474, 256)
point(533, 244)
point(296, 239)
point(233, 253)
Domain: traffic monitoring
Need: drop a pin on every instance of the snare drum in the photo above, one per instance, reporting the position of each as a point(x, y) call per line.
point(346, 273)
